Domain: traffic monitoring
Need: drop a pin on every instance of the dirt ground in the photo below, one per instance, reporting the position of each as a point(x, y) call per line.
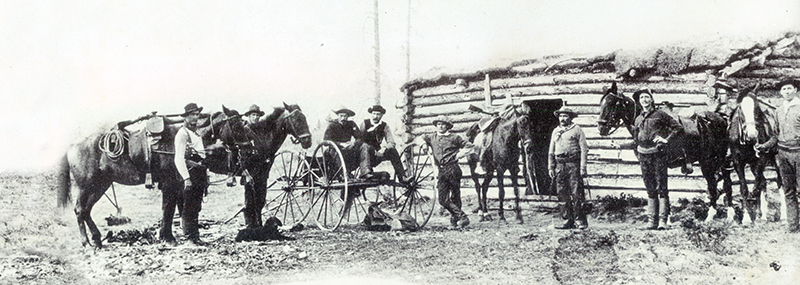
point(40, 245)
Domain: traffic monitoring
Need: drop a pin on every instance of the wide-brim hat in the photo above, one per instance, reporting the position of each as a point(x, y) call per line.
point(443, 119)
point(566, 110)
point(378, 108)
point(792, 81)
point(254, 109)
point(345, 110)
point(639, 93)
point(191, 108)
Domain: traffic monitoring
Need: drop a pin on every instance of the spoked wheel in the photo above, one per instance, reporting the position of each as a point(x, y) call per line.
point(416, 199)
point(330, 177)
point(289, 191)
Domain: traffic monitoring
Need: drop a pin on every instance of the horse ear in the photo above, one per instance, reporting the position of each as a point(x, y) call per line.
point(285, 106)
point(228, 112)
point(613, 87)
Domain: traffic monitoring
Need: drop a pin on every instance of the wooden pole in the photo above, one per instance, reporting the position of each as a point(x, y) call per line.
point(487, 92)
point(377, 58)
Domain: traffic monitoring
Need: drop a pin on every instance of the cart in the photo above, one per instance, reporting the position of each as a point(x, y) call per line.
point(322, 189)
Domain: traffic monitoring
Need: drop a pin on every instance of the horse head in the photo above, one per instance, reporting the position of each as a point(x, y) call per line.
point(294, 122)
point(615, 110)
point(748, 123)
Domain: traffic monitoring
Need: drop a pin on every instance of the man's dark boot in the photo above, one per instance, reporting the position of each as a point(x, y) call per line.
point(663, 213)
point(249, 218)
point(191, 228)
point(652, 212)
point(581, 214)
point(570, 224)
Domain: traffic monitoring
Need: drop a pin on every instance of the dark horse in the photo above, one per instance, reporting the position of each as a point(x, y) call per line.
point(266, 136)
point(95, 169)
point(705, 139)
point(499, 154)
point(748, 127)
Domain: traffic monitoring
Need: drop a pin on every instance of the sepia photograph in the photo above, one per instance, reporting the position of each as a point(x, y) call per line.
point(400, 142)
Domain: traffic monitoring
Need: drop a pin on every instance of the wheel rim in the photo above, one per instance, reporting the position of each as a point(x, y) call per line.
point(288, 195)
point(418, 199)
point(329, 177)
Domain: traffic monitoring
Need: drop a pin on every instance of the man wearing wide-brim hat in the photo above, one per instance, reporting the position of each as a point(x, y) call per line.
point(567, 166)
point(189, 190)
point(253, 114)
point(445, 146)
point(787, 138)
point(350, 139)
point(379, 138)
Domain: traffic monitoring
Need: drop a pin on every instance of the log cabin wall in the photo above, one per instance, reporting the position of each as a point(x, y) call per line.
point(680, 74)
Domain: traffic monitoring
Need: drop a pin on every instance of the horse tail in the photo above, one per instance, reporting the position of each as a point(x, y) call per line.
point(64, 184)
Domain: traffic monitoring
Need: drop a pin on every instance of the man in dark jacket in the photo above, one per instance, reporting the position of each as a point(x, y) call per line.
point(350, 139)
point(378, 137)
point(652, 130)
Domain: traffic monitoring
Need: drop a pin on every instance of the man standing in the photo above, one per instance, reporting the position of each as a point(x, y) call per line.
point(652, 130)
point(346, 134)
point(567, 160)
point(445, 146)
point(378, 137)
point(787, 137)
point(189, 154)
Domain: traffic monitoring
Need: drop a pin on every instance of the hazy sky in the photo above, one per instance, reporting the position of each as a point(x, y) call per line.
point(68, 68)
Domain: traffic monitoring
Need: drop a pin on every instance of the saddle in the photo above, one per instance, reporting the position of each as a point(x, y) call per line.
point(143, 142)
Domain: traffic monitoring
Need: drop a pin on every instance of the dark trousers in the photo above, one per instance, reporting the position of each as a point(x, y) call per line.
point(358, 155)
point(654, 174)
point(255, 193)
point(450, 189)
point(173, 193)
point(788, 165)
point(389, 154)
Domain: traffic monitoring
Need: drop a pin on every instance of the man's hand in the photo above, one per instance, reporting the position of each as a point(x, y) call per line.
point(187, 184)
point(584, 172)
point(659, 140)
point(552, 173)
point(381, 151)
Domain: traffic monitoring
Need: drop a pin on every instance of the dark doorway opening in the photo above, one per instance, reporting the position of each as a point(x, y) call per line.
point(543, 122)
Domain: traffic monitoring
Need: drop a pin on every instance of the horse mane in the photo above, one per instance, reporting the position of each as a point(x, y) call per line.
point(269, 120)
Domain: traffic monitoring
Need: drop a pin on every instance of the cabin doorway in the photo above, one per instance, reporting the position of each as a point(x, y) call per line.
point(543, 122)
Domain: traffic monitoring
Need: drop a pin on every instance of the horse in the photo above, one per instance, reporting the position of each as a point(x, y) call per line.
point(500, 154)
point(94, 168)
point(748, 127)
point(266, 136)
point(705, 139)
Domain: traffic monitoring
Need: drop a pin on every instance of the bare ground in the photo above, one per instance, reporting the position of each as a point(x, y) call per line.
point(39, 244)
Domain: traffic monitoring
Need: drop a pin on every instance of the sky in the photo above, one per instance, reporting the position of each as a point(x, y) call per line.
point(71, 68)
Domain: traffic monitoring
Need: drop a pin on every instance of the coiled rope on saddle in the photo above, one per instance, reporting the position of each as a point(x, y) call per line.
point(113, 143)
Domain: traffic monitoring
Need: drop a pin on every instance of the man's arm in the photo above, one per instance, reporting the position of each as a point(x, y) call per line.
point(675, 127)
point(388, 136)
point(551, 155)
point(180, 151)
point(584, 150)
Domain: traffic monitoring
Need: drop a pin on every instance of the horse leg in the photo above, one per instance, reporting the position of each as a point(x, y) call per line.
point(709, 173)
point(743, 189)
point(87, 217)
point(759, 188)
point(473, 164)
point(484, 190)
point(501, 192)
point(517, 209)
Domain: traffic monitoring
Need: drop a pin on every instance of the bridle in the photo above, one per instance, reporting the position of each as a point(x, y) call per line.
point(616, 119)
point(296, 139)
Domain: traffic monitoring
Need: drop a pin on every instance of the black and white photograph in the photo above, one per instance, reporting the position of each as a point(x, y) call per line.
point(400, 142)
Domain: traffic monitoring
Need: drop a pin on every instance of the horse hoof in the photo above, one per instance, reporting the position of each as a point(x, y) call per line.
point(476, 210)
point(519, 221)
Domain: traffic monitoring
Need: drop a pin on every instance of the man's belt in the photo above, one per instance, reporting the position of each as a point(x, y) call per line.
point(568, 157)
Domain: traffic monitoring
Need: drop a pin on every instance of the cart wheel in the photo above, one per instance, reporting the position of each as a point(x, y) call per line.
point(289, 195)
point(329, 177)
point(418, 198)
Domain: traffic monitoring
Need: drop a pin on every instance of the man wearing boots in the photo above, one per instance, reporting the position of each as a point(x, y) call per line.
point(567, 164)
point(189, 153)
point(652, 130)
point(787, 137)
point(378, 137)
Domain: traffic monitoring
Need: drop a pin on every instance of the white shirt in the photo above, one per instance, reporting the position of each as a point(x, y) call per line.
point(184, 139)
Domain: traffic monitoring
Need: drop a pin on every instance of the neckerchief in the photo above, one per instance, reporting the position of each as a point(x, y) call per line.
point(561, 130)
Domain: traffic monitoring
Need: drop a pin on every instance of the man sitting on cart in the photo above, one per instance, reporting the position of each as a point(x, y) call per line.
point(378, 136)
point(350, 140)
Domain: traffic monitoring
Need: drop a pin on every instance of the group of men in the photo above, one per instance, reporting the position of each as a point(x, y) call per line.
point(370, 142)
point(653, 128)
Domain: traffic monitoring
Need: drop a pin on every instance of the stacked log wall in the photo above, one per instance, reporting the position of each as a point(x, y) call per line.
point(581, 84)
